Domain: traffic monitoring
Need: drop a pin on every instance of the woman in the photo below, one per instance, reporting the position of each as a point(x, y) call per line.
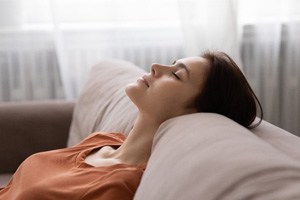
point(108, 166)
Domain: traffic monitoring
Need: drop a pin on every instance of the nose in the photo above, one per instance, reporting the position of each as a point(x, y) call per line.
point(158, 69)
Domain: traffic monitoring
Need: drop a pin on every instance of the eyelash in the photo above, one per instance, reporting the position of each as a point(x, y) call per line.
point(176, 76)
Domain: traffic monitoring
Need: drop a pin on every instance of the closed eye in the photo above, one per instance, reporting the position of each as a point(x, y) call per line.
point(176, 76)
point(183, 66)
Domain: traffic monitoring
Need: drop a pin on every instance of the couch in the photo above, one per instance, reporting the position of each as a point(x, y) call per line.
point(197, 156)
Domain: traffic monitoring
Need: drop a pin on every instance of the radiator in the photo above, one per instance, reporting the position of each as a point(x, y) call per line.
point(28, 68)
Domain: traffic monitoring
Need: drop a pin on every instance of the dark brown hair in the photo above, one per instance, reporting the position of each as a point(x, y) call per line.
point(227, 92)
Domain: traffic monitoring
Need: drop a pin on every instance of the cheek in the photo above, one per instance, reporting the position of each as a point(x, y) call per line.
point(187, 96)
point(163, 91)
point(174, 96)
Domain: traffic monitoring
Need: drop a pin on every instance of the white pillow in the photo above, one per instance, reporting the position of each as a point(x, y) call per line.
point(208, 156)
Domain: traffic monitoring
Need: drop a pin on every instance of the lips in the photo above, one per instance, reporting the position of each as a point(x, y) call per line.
point(146, 80)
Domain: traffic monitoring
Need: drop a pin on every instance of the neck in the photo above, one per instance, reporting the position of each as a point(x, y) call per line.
point(136, 149)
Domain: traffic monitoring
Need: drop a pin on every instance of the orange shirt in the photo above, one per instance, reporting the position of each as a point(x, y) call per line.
point(63, 174)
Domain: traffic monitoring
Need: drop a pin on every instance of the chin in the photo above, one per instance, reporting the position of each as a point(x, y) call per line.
point(130, 88)
point(131, 91)
point(135, 93)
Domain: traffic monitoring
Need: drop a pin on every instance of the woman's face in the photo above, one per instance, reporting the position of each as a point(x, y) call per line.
point(169, 90)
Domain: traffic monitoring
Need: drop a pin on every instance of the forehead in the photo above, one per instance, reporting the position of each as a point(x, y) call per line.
point(198, 66)
point(194, 61)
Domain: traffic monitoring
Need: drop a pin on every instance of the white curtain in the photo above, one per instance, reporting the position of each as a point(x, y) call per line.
point(210, 24)
point(129, 30)
point(48, 46)
point(271, 62)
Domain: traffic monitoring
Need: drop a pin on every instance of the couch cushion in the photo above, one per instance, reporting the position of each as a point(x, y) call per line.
point(102, 104)
point(208, 156)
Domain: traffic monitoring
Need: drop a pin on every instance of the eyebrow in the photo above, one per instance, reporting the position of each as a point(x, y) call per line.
point(182, 65)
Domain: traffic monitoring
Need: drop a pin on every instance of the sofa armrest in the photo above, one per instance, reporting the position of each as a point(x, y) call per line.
point(30, 127)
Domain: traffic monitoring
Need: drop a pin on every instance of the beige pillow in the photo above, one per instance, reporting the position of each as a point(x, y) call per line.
point(279, 139)
point(208, 156)
point(103, 105)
